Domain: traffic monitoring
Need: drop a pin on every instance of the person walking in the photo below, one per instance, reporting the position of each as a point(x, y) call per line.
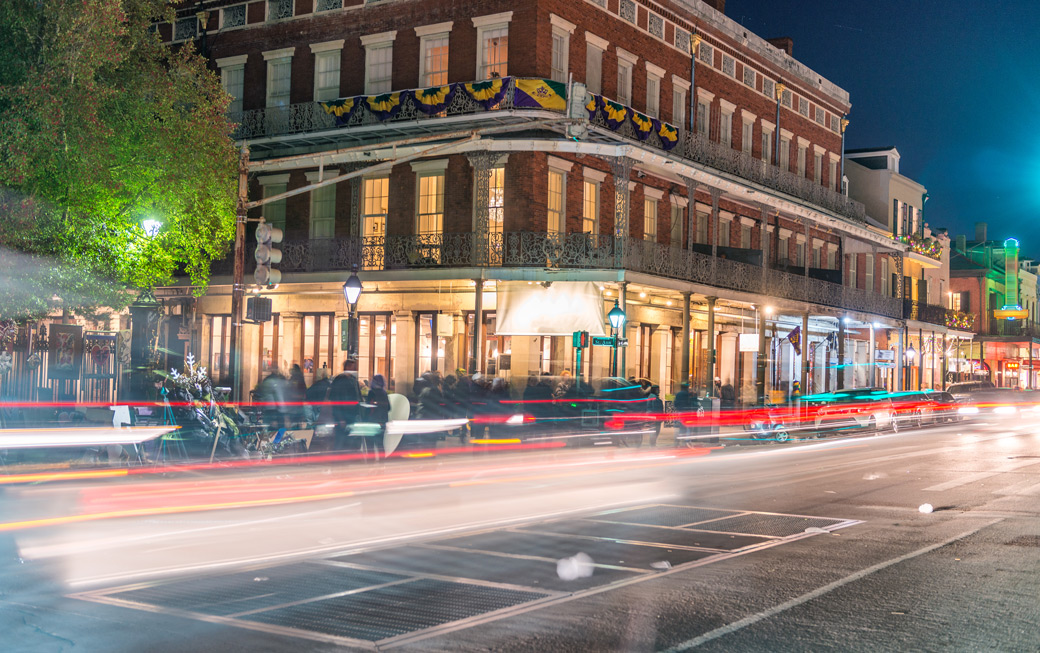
point(344, 395)
point(683, 404)
point(379, 409)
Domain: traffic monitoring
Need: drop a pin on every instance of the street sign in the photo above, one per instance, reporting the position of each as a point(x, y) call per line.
point(622, 342)
point(602, 341)
point(884, 356)
point(344, 335)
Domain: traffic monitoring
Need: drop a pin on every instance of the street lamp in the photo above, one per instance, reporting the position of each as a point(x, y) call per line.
point(352, 292)
point(908, 355)
point(616, 316)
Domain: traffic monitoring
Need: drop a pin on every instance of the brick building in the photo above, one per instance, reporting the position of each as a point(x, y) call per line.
point(654, 153)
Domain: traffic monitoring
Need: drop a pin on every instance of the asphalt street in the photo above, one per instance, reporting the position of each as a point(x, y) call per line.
point(802, 546)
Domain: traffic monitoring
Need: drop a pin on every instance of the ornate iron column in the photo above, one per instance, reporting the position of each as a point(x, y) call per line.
point(691, 209)
point(482, 163)
point(684, 369)
point(764, 243)
point(622, 169)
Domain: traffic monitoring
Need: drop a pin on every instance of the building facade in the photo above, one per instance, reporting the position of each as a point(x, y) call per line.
point(491, 164)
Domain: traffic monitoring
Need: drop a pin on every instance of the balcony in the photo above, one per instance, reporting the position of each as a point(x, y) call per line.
point(960, 321)
point(511, 98)
point(575, 251)
point(1012, 329)
point(928, 250)
point(930, 313)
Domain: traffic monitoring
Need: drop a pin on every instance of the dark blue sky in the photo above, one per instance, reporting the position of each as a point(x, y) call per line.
point(954, 85)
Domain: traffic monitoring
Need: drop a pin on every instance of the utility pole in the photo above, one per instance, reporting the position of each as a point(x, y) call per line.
point(237, 290)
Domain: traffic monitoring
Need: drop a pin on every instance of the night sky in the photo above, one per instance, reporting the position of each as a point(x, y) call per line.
point(953, 85)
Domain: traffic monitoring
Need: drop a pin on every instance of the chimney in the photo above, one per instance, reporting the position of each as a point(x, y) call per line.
point(717, 5)
point(962, 243)
point(785, 43)
point(980, 232)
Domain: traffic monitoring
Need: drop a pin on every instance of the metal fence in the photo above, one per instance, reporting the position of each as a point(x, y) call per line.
point(29, 377)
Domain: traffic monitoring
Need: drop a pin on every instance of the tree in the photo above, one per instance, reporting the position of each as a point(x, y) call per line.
point(105, 129)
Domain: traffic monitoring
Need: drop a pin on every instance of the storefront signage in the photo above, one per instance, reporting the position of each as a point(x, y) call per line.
point(885, 356)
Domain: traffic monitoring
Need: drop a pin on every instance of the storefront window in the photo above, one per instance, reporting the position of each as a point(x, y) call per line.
point(317, 345)
point(377, 338)
point(270, 348)
point(431, 346)
point(219, 347)
point(497, 350)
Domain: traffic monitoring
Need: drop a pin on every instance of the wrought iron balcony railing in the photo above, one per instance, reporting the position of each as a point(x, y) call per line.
point(462, 99)
point(913, 310)
point(573, 251)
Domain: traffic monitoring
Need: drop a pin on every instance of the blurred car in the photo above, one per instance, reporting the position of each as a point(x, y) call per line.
point(997, 402)
point(964, 390)
point(947, 407)
point(862, 408)
point(917, 409)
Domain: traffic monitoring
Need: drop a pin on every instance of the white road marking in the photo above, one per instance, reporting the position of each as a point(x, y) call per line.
point(980, 476)
point(818, 592)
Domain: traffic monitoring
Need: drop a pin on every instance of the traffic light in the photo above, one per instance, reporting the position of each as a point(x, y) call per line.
point(267, 256)
point(580, 339)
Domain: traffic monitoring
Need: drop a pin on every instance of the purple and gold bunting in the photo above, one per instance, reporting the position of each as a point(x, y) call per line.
point(342, 109)
point(616, 114)
point(434, 100)
point(669, 136)
point(593, 105)
point(487, 93)
point(384, 106)
point(644, 125)
point(540, 93)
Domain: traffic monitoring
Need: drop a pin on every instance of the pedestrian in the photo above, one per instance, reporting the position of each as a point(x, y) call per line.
point(656, 409)
point(345, 397)
point(318, 394)
point(684, 406)
point(297, 394)
point(379, 409)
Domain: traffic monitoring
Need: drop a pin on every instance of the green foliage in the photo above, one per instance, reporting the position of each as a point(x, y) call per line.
point(103, 127)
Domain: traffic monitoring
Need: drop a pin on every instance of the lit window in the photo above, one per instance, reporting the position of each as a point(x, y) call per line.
point(434, 60)
point(590, 208)
point(430, 215)
point(650, 219)
point(496, 200)
point(326, 75)
point(375, 192)
point(555, 202)
point(379, 60)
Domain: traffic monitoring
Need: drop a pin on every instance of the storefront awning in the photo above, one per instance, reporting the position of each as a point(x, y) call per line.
point(530, 309)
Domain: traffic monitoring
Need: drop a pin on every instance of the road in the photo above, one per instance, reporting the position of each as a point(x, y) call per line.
point(815, 545)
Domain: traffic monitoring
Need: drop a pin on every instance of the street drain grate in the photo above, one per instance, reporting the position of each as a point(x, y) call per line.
point(387, 612)
point(767, 525)
point(254, 590)
point(664, 515)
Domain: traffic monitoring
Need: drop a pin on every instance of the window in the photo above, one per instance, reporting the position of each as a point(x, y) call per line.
point(783, 250)
point(327, 5)
point(769, 88)
point(702, 227)
point(650, 219)
point(626, 62)
point(430, 213)
point(749, 77)
point(869, 272)
point(746, 136)
point(745, 236)
point(817, 255)
point(767, 145)
point(786, 98)
point(819, 115)
point(326, 74)
point(433, 59)
point(682, 40)
point(316, 336)
point(377, 339)
point(555, 201)
point(679, 90)
point(323, 207)
point(803, 107)
point(279, 9)
point(232, 78)
point(726, 128)
point(853, 276)
point(728, 65)
point(274, 212)
point(785, 153)
point(270, 347)
point(561, 46)
point(799, 253)
point(706, 53)
point(675, 237)
point(653, 96)
point(279, 77)
point(725, 228)
point(832, 175)
point(801, 160)
point(379, 64)
point(590, 208)
point(703, 111)
point(375, 193)
point(956, 301)
point(234, 16)
point(593, 64)
point(818, 167)
point(493, 45)
point(831, 257)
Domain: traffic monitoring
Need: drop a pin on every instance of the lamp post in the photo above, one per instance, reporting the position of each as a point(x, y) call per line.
point(616, 316)
point(352, 292)
point(909, 355)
